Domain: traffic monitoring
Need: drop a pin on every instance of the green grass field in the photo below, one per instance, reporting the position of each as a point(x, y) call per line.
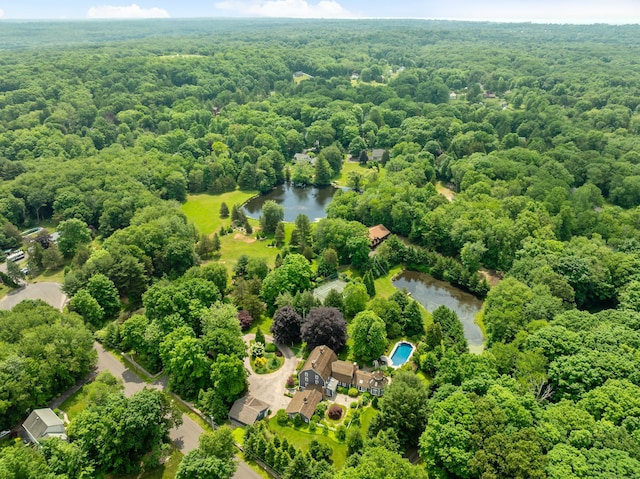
point(204, 210)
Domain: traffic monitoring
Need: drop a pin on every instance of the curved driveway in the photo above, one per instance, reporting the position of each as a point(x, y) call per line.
point(271, 387)
point(186, 436)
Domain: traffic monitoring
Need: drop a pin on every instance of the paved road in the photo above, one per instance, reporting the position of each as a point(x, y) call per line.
point(185, 437)
point(48, 292)
point(270, 388)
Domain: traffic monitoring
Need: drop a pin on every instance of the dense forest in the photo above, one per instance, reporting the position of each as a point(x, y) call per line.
point(106, 128)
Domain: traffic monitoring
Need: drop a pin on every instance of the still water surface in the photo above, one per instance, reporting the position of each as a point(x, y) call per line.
point(432, 293)
point(310, 201)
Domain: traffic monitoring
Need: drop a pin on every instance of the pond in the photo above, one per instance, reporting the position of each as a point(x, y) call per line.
point(432, 293)
point(310, 201)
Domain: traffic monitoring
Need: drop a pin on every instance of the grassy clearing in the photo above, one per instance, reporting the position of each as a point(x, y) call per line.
point(76, 403)
point(365, 418)
point(348, 167)
point(384, 284)
point(301, 438)
point(204, 210)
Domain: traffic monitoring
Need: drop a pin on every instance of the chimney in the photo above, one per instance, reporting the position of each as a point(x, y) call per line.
point(355, 367)
point(304, 399)
point(313, 364)
point(321, 349)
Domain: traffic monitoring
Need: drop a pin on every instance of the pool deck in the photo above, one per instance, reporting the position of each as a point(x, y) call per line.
point(393, 351)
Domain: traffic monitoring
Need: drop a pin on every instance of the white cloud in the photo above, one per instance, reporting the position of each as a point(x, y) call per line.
point(1, 13)
point(285, 8)
point(130, 11)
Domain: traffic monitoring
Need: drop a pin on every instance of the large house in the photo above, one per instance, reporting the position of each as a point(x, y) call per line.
point(43, 423)
point(325, 372)
point(377, 234)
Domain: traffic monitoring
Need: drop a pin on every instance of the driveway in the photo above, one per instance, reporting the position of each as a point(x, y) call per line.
point(48, 292)
point(186, 436)
point(271, 387)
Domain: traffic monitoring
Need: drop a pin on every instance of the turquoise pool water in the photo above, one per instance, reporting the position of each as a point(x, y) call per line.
point(401, 353)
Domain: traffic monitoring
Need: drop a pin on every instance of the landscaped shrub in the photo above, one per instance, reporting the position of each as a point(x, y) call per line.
point(257, 350)
point(282, 418)
point(291, 381)
point(245, 319)
point(374, 402)
point(260, 363)
point(312, 426)
point(335, 412)
point(274, 363)
point(297, 420)
point(271, 348)
point(342, 390)
point(353, 405)
point(321, 408)
point(341, 433)
point(353, 392)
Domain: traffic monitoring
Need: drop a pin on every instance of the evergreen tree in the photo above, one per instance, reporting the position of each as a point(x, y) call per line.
point(215, 243)
point(370, 284)
point(323, 172)
point(363, 158)
point(260, 337)
point(279, 235)
point(224, 210)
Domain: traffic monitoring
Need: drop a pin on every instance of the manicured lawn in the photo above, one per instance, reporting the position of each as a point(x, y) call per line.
point(384, 285)
point(301, 438)
point(264, 323)
point(365, 419)
point(204, 210)
point(75, 404)
point(348, 167)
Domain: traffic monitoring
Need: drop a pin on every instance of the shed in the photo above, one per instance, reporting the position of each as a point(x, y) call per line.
point(247, 410)
point(43, 423)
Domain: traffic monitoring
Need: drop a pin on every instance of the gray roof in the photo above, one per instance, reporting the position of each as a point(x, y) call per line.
point(43, 423)
point(247, 409)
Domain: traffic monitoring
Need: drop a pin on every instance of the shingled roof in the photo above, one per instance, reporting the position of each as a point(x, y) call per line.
point(377, 234)
point(342, 371)
point(305, 402)
point(320, 361)
point(247, 409)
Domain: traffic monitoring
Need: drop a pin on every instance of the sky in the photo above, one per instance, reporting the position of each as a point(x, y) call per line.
point(539, 11)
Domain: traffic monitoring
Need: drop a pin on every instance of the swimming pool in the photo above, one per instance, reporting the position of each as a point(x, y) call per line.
point(401, 353)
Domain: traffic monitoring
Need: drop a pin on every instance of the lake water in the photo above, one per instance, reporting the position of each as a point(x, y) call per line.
point(432, 293)
point(310, 201)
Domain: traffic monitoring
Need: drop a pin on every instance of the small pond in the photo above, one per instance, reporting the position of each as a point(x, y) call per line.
point(432, 293)
point(310, 201)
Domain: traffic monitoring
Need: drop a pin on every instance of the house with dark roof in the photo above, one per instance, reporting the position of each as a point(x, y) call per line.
point(316, 370)
point(247, 410)
point(305, 403)
point(377, 234)
point(44, 423)
point(325, 372)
